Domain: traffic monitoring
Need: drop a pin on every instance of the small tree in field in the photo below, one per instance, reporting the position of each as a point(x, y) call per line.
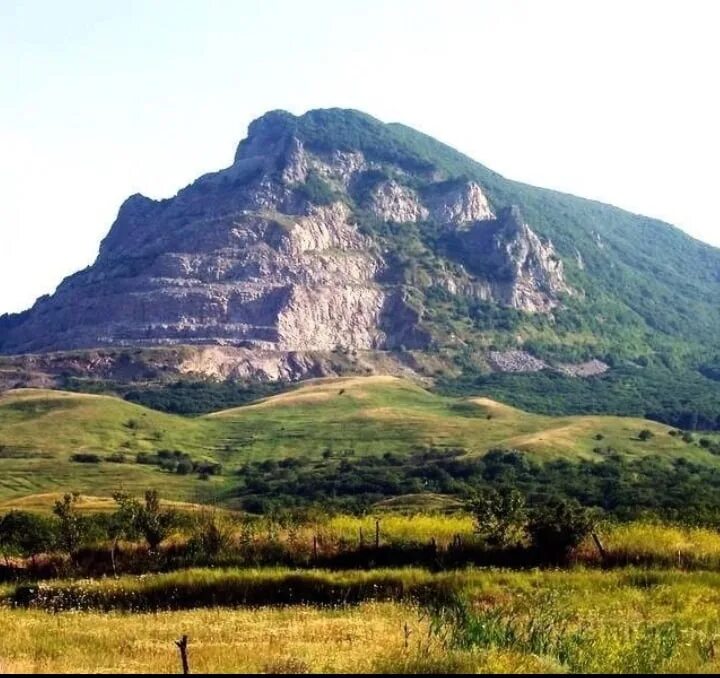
point(124, 522)
point(210, 537)
point(559, 527)
point(25, 534)
point(152, 522)
point(71, 527)
point(500, 517)
point(646, 434)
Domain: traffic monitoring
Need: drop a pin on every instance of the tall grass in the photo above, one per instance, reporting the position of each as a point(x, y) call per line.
point(657, 545)
point(231, 588)
point(630, 620)
point(588, 647)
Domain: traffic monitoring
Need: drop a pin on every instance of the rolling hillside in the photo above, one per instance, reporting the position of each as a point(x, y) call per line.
point(41, 430)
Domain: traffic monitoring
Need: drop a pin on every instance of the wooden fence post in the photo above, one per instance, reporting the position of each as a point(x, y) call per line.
point(377, 534)
point(600, 547)
point(182, 646)
point(315, 547)
point(362, 538)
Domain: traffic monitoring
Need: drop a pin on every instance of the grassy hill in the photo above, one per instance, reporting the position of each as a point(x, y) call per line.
point(41, 431)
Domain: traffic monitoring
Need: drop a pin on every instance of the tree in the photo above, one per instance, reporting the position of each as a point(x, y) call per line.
point(559, 527)
point(646, 434)
point(152, 521)
point(210, 537)
point(25, 534)
point(184, 467)
point(124, 522)
point(71, 527)
point(500, 517)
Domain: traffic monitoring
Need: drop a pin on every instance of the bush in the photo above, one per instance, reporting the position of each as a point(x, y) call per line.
point(558, 528)
point(184, 467)
point(316, 190)
point(500, 517)
point(71, 526)
point(26, 534)
point(209, 468)
point(86, 458)
point(646, 434)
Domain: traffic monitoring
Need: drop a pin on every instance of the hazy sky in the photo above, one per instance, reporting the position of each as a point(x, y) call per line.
point(101, 99)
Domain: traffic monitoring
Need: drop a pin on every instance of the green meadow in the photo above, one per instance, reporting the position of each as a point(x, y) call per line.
point(41, 430)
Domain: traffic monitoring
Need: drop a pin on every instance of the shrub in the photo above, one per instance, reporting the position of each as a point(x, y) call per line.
point(210, 468)
point(86, 458)
point(559, 527)
point(500, 517)
point(184, 467)
point(71, 528)
point(316, 190)
point(153, 522)
point(209, 538)
point(646, 434)
point(26, 534)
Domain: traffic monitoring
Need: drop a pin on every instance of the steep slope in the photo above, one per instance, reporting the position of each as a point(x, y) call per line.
point(332, 231)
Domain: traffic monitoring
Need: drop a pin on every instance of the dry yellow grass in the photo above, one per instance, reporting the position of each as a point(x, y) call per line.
point(627, 620)
point(221, 641)
point(45, 501)
point(497, 409)
point(318, 390)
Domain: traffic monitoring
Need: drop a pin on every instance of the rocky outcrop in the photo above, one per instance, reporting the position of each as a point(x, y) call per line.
point(270, 255)
point(458, 203)
point(167, 364)
point(394, 202)
point(519, 269)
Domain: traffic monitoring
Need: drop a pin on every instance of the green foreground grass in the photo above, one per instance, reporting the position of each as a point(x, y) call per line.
point(628, 620)
point(41, 430)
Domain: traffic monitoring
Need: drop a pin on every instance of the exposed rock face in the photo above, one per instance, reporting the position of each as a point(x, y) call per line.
point(521, 271)
point(169, 363)
point(393, 202)
point(460, 204)
point(269, 255)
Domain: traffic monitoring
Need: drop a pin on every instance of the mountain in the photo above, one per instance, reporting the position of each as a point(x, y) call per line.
point(333, 233)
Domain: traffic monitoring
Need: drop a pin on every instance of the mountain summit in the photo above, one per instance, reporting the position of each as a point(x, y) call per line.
point(333, 230)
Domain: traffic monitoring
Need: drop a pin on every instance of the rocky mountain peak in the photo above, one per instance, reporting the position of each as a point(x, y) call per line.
point(286, 250)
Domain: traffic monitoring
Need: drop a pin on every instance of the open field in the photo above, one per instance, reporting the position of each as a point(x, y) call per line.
point(538, 621)
point(40, 431)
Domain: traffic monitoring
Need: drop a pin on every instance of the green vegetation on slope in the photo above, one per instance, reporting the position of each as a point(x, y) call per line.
point(684, 399)
point(348, 442)
point(647, 291)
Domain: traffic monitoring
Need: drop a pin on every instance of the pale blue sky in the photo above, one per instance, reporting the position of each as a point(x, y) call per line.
point(614, 100)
